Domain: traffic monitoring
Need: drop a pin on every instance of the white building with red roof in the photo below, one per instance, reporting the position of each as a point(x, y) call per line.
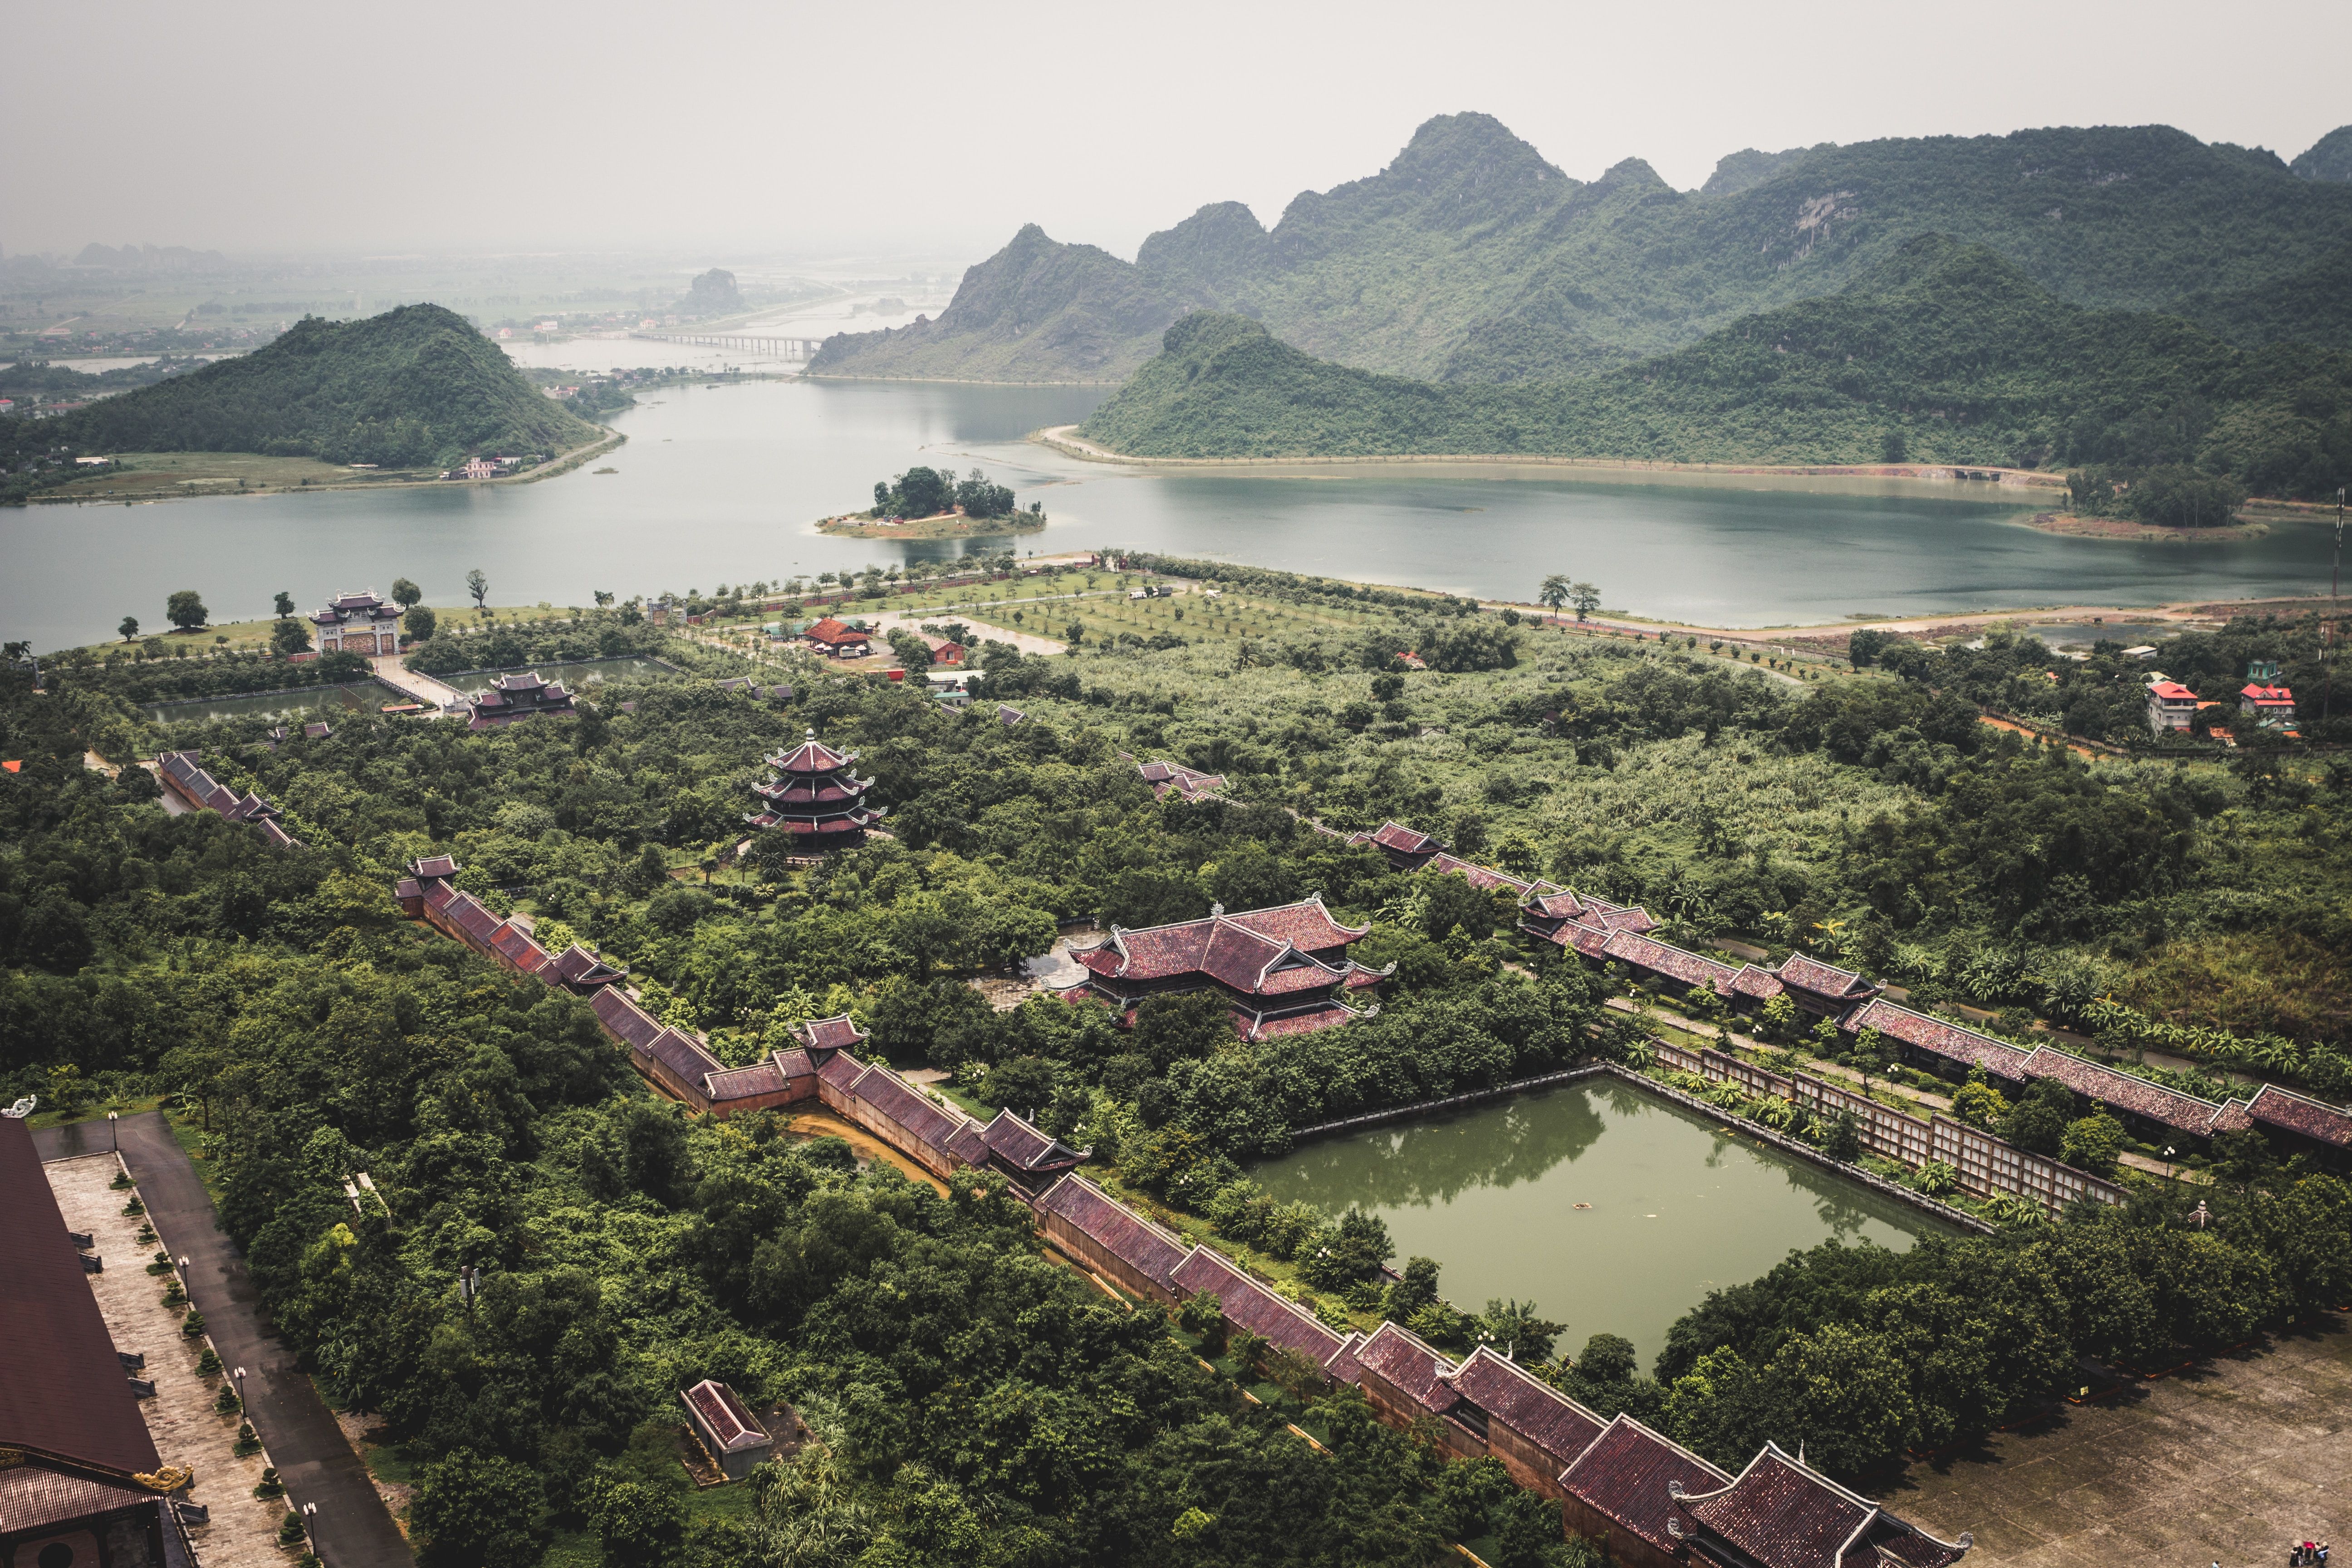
point(2171, 706)
point(2269, 705)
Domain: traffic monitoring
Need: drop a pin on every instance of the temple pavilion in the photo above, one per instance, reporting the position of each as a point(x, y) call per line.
point(1281, 971)
point(817, 797)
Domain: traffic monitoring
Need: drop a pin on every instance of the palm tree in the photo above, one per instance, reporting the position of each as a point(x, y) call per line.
point(1554, 592)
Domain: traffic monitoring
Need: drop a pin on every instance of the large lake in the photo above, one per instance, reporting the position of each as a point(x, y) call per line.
point(1679, 1206)
point(721, 483)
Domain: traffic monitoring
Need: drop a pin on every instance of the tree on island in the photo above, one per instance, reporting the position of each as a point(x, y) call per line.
point(927, 492)
point(1554, 592)
point(405, 593)
point(185, 610)
point(284, 603)
point(129, 629)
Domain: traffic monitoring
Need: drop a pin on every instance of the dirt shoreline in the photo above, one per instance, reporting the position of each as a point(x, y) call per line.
point(562, 463)
point(1063, 438)
point(947, 525)
point(2074, 525)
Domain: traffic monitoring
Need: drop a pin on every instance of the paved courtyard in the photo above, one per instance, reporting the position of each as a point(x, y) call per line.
point(2231, 1463)
point(243, 1533)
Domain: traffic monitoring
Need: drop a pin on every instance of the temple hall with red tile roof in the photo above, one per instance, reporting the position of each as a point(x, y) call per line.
point(1279, 969)
point(836, 639)
point(817, 799)
point(516, 696)
point(1779, 1512)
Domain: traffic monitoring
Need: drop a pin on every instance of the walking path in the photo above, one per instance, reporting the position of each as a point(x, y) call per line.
point(351, 1529)
point(424, 688)
point(242, 1532)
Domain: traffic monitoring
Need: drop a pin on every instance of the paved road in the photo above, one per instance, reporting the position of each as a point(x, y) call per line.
point(353, 1529)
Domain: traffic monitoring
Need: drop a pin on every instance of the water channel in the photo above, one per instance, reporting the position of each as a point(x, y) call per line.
point(721, 483)
point(1679, 1206)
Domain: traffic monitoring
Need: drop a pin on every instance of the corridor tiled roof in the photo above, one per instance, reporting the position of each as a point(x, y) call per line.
point(1250, 1305)
point(1625, 1474)
point(1809, 973)
point(1536, 1411)
point(1782, 1513)
point(2276, 1106)
point(1939, 1038)
point(2122, 1091)
point(1416, 1368)
point(1127, 1236)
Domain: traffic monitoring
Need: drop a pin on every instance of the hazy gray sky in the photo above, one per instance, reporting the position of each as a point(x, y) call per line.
point(746, 129)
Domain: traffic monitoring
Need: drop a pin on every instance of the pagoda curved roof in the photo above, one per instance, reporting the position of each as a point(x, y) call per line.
point(811, 756)
point(1268, 952)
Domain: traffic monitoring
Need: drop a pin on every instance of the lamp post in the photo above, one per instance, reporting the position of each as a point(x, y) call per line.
point(113, 1137)
point(237, 1376)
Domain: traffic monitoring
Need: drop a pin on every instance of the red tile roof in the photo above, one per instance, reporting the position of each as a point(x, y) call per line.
point(841, 1070)
point(2173, 691)
point(510, 942)
point(765, 1076)
point(724, 1416)
point(621, 1015)
point(62, 1389)
point(2122, 1091)
point(1014, 1141)
point(1396, 836)
point(1250, 1305)
point(1304, 1022)
point(811, 756)
point(1127, 1236)
point(1624, 1476)
point(830, 1034)
point(1785, 1514)
point(1664, 958)
point(2269, 696)
point(1484, 877)
point(1240, 949)
point(1809, 973)
point(1536, 1411)
point(1940, 1038)
point(1417, 1369)
point(833, 633)
point(683, 1056)
point(35, 1496)
point(575, 965)
point(923, 1119)
point(2276, 1106)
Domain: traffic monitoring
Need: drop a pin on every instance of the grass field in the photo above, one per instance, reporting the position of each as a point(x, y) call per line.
point(159, 476)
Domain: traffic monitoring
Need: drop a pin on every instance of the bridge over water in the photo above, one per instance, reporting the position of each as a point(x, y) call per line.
point(803, 348)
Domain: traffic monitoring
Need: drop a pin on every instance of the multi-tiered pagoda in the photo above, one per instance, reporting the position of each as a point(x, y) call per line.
point(817, 799)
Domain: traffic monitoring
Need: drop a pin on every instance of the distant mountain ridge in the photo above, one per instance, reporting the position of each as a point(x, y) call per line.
point(414, 386)
point(1471, 258)
point(1947, 347)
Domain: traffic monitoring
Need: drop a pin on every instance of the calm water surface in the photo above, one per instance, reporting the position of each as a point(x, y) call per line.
point(1679, 1204)
point(722, 484)
point(307, 703)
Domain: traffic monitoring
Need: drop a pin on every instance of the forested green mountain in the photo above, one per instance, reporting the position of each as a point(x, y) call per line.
point(1470, 257)
point(1945, 347)
point(418, 386)
point(1036, 310)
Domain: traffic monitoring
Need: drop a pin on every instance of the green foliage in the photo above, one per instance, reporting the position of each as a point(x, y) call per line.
point(1469, 258)
point(2017, 376)
point(474, 1510)
point(414, 386)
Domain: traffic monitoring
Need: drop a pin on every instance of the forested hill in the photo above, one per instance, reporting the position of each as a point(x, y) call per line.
point(1036, 310)
point(1946, 348)
point(1471, 258)
point(414, 386)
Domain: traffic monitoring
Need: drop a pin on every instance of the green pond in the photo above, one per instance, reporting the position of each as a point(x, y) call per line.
point(308, 702)
point(1679, 1204)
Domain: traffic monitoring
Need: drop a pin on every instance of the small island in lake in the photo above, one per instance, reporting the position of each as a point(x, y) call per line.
point(933, 503)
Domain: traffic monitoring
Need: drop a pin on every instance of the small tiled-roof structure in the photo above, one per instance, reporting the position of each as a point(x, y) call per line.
point(2121, 1091)
point(727, 1429)
point(1413, 1368)
point(1827, 985)
point(1175, 778)
point(1406, 848)
point(1936, 1038)
point(1020, 1150)
point(516, 696)
point(838, 1034)
point(1623, 1482)
point(1093, 1220)
point(2300, 1115)
point(1671, 962)
point(1510, 1394)
point(835, 637)
point(180, 774)
point(577, 970)
point(1782, 1513)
